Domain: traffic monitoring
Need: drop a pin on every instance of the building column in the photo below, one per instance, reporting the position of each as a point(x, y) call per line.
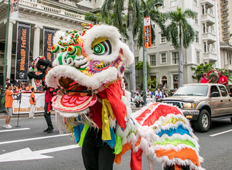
point(36, 44)
point(9, 49)
point(171, 78)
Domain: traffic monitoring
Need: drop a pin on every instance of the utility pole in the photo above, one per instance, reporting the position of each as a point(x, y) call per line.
point(5, 52)
point(144, 66)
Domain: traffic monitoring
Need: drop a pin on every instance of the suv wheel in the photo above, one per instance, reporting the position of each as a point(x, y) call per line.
point(203, 122)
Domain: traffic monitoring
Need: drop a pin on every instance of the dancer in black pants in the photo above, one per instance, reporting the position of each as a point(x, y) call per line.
point(47, 107)
point(96, 154)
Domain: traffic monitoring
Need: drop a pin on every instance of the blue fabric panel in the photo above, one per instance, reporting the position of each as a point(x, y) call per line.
point(77, 132)
point(111, 142)
point(179, 130)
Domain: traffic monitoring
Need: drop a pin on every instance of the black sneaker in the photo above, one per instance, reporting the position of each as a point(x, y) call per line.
point(50, 130)
point(46, 130)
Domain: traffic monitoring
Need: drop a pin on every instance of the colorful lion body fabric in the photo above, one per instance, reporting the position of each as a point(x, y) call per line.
point(90, 68)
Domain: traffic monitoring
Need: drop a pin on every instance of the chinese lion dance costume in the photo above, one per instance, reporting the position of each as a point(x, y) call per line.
point(90, 68)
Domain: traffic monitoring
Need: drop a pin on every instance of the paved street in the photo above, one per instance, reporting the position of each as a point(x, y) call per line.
point(53, 152)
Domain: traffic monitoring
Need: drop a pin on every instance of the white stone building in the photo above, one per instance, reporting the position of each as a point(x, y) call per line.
point(39, 14)
point(164, 59)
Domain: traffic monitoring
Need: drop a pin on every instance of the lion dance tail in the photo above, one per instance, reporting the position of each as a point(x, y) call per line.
point(162, 133)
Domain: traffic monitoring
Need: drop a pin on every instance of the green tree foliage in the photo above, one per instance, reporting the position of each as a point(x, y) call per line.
point(205, 68)
point(139, 65)
point(199, 70)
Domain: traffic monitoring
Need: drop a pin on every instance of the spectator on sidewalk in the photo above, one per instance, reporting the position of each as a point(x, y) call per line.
point(158, 94)
point(28, 88)
point(19, 88)
point(32, 103)
point(47, 107)
point(9, 104)
point(165, 93)
point(137, 100)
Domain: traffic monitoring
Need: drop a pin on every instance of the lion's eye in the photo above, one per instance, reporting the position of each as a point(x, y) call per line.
point(103, 48)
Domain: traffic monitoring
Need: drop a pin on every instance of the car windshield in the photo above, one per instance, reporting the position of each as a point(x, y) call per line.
point(192, 90)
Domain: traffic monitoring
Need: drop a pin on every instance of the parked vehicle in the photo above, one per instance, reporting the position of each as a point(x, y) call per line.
point(201, 102)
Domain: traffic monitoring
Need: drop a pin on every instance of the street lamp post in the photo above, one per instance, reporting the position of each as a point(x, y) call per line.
point(144, 65)
point(5, 52)
point(158, 4)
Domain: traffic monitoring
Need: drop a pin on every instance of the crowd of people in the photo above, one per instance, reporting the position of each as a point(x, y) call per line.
point(15, 89)
point(222, 79)
point(151, 96)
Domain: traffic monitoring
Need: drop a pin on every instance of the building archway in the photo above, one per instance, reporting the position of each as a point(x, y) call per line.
point(164, 81)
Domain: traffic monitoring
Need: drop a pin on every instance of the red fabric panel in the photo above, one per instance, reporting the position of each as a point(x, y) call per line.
point(96, 113)
point(161, 110)
point(114, 94)
point(48, 96)
point(141, 117)
point(136, 160)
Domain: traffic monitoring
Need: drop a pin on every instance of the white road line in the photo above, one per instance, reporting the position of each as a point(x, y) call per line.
point(216, 134)
point(28, 154)
point(31, 139)
point(12, 130)
point(62, 148)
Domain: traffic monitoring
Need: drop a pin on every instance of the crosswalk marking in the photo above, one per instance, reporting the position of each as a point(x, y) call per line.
point(31, 139)
point(13, 130)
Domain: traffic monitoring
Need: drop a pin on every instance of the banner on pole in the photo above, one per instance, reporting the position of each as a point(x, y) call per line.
point(25, 103)
point(48, 35)
point(22, 52)
point(14, 9)
point(147, 32)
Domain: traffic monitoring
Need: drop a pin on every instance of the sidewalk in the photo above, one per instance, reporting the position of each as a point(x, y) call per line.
point(3, 115)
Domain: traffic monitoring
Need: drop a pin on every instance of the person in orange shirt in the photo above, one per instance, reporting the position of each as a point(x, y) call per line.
point(8, 104)
point(28, 88)
point(19, 88)
point(33, 103)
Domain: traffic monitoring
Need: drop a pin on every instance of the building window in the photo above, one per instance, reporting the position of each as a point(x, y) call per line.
point(205, 47)
point(163, 58)
point(175, 58)
point(196, 19)
point(153, 60)
point(229, 58)
point(211, 11)
point(173, 3)
point(198, 57)
point(175, 81)
point(195, 2)
point(163, 39)
point(197, 36)
point(212, 29)
point(136, 59)
point(203, 10)
point(204, 28)
point(153, 85)
point(164, 81)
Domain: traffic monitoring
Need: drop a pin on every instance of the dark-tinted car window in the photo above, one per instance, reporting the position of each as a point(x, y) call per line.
point(223, 91)
point(214, 89)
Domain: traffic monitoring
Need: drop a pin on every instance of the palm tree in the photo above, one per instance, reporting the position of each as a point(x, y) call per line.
point(181, 30)
point(131, 28)
point(118, 7)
